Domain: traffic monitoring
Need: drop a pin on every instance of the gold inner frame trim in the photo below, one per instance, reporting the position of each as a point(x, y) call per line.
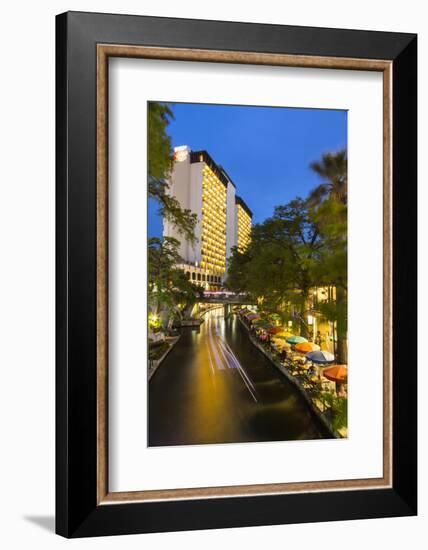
point(104, 51)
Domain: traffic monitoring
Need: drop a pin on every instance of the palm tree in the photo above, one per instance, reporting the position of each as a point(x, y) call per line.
point(333, 168)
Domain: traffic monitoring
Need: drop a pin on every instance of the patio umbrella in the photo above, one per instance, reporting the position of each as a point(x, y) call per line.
point(306, 347)
point(276, 330)
point(295, 339)
point(283, 335)
point(320, 356)
point(336, 373)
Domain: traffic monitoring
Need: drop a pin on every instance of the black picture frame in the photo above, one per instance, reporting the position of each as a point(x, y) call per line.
point(77, 511)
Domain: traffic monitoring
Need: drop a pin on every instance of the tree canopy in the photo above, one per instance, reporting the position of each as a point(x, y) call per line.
point(168, 285)
point(333, 169)
point(302, 246)
point(159, 170)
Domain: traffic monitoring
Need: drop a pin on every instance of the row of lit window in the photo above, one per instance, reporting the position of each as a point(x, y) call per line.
point(213, 199)
point(216, 211)
point(243, 233)
point(214, 207)
point(246, 235)
point(214, 192)
point(208, 260)
point(211, 221)
point(213, 247)
point(244, 224)
point(211, 178)
point(213, 268)
point(215, 239)
point(213, 213)
point(244, 220)
point(217, 254)
point(218, 237)
point(214, 259)
point(211, 257)
point(202, 277)
point(243, 213)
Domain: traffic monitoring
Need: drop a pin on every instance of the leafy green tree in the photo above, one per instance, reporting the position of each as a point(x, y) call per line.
point(333, 169)
point(338, 409)
point(277, 266)
point(329, 211)
point(302, 246)
point(159, 146)
point(184, 293)
point(238, 265)
point(169, 287)
point(162, 257)
point(159, 169)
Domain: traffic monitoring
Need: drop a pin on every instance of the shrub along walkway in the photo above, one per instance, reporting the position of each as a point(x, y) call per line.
point(153, 364)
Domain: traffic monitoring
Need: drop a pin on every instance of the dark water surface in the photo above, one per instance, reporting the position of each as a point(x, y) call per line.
point(216, 387)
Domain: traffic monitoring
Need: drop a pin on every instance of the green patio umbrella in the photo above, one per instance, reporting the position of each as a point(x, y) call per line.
point(293, 339)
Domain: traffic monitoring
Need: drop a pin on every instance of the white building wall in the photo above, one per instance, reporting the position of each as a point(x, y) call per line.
point(236, 228)
point(179, 188)
point(186, 185)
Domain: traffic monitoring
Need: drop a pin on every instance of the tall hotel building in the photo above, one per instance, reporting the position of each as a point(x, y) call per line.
point(223, 218)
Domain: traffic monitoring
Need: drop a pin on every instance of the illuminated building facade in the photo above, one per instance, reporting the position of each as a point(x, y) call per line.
point(223, 219)
point(243, 224)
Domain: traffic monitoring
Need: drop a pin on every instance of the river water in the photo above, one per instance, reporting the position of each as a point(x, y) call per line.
point(216, 387)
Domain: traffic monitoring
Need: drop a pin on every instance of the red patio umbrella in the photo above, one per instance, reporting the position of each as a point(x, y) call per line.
point(336, 373)
point(276, 330)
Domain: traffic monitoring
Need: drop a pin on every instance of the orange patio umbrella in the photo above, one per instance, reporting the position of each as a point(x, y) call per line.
point(306, 347)
point(336, 373)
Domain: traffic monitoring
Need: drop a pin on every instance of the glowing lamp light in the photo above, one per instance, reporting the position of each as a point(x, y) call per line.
point(181, 153)
point(153, 317)
point(310, 320)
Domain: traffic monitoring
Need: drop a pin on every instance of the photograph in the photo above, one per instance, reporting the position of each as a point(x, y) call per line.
point(247, 273)
point(210, 215)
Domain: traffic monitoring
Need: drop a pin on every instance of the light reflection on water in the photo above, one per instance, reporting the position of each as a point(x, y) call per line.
point(216, 387)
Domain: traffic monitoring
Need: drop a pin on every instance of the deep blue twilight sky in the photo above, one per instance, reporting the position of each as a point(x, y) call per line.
point(265, 150)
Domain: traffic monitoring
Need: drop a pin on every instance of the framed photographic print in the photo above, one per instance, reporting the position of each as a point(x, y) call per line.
point(236, 274)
